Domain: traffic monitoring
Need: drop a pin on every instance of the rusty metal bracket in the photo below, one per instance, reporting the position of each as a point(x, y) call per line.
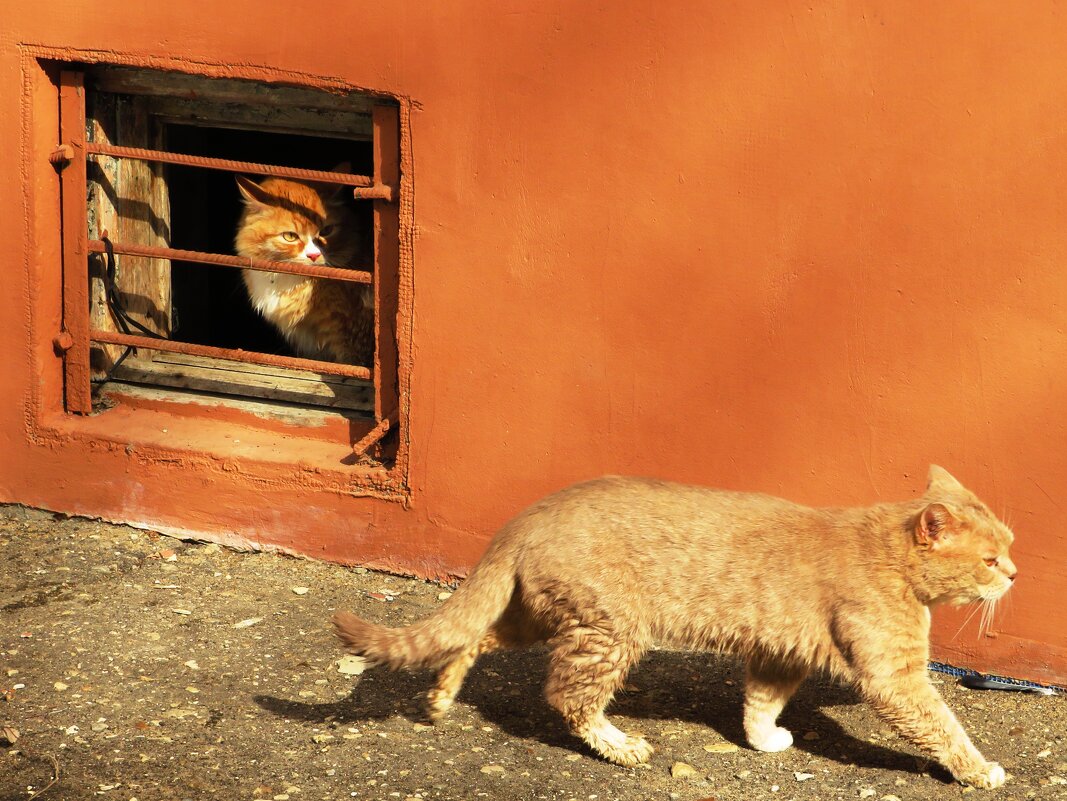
point(61, 155)
point(376, 434)
point(62, 342)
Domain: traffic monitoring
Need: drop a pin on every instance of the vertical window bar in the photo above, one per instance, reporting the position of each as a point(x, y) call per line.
point(75, 239)
point(386, 145)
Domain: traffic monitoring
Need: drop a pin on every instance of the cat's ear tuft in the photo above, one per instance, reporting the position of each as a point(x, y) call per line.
point(935, 524)
point(940, 478)
point(252, 192)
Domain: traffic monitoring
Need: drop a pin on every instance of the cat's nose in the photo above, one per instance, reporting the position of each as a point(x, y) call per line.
point(314, 256)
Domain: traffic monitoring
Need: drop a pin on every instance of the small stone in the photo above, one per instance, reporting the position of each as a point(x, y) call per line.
point(281, 797)
point(181, 611)
point(721, 748)
point(811, 735)
point(683, 770)
point(802, 777)
point(99, 726)
point(1040, 754)
point(192, 664)
point(352, 665)
point(1015, 731)
point(573, 757)
point(321, 738)
point(889, 797)
point(9, 735)
point(167, 555)
point(59, 686)
point(868, 792)
point(497, 770)
point(1056, 780)
point(422, 727)
point(244, 624)
point(301, 590)
point(742, 774)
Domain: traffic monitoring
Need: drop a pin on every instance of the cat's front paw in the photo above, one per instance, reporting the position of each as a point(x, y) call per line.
point(776, 739)
point(989, 776)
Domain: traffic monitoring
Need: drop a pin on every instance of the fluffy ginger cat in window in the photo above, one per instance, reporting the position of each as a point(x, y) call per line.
point(290, 221)
point(605, 569)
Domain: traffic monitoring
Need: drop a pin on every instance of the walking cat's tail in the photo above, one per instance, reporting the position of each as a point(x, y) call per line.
point(454, 628)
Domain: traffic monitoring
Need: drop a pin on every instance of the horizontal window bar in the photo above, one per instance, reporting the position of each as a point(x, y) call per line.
point(249, 357)
point(142, 154)
point(338, 273)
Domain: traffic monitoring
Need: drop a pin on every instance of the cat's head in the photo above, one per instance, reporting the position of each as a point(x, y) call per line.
point(291, 221)
point(960, 547)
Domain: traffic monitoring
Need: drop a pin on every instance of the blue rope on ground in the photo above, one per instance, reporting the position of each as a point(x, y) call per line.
point(941, 667)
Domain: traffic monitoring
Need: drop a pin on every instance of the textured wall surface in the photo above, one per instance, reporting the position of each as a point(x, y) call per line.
point(803, 250)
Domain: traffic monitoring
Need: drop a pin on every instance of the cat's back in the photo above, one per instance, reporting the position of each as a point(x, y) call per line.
point(625, 512)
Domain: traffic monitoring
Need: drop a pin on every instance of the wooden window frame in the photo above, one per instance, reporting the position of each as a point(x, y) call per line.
point(383, 189)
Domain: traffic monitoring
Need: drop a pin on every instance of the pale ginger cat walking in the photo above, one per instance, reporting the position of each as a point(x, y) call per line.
point(605, 569)
point(289, 221)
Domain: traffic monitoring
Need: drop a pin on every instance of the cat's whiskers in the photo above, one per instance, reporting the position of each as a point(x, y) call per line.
point(989, 608)
point(975, 606)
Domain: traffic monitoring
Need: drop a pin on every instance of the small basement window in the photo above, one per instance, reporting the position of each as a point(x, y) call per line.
point(156, 292)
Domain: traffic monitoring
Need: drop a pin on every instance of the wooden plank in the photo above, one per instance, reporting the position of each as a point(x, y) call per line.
point(75, 235)
point(226, 378)
point(276, 119)
point(134, 81)
point(130, 201)
point(184, 360)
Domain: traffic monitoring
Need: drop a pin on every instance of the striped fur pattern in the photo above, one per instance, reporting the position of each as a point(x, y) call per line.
point(290, 221)
point(604, 570)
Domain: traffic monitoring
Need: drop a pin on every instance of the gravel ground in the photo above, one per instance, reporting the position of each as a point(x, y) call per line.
point(142, 667)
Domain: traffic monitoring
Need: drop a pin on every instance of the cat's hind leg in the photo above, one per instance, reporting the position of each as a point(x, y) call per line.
point(514, 629)
point(588, 664)
point(769, 684)
point(450, 678)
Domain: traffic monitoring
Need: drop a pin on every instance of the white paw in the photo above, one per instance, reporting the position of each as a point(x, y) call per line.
point(992, 778)
point(777, 739)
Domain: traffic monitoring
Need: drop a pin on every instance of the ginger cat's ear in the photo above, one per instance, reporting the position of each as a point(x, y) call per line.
point(940, 478)
point(935, 525)
point(252, 193)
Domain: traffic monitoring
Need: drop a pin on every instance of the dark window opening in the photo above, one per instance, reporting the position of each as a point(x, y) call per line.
point(153, 289)
point(210, 306)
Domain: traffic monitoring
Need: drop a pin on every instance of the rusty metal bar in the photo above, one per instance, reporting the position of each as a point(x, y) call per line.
point(77, 392)
point(143, 154)
point(386, 156)
point(250, 357)
point(375, 435)
point(198, 257)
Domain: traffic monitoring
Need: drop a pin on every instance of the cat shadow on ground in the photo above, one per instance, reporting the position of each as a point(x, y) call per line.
point(702, 689)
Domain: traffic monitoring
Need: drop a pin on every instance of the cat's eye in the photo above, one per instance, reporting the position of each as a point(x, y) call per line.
point(992, 562)
point(290, 236)
point(327, 230)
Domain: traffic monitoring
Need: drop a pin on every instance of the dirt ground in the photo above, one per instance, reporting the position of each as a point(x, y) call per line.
point(143, 667)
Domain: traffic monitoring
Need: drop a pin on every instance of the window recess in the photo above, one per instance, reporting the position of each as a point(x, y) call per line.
point(151, 289)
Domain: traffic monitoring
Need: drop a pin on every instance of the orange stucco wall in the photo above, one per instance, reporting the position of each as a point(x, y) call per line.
point(801, 248)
